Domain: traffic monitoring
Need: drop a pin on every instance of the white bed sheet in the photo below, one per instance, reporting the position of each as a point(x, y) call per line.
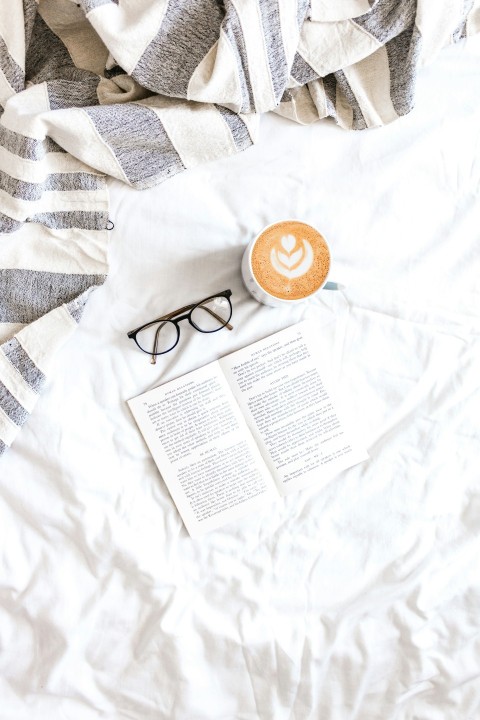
point(359, 600)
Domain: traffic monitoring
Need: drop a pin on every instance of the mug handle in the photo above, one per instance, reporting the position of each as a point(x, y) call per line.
point(333, 286)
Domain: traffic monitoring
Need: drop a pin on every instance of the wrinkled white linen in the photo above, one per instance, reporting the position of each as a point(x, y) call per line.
point(356, 602)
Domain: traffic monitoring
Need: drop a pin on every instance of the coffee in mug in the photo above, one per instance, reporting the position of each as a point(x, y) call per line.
point(287, 262)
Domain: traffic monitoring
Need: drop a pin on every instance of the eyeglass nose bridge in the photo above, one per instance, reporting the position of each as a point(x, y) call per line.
point(178, 319)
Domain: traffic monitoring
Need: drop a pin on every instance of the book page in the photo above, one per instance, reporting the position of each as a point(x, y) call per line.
point(203, 449)
point(289, 406)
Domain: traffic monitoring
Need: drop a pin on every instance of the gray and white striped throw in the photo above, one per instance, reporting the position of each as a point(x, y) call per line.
point(142, 89)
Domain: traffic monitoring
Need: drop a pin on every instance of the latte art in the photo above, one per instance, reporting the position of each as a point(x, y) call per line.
point(295, 263)
point(290, 260)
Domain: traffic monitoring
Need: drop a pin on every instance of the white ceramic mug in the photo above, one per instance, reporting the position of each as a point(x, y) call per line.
point(258, 292)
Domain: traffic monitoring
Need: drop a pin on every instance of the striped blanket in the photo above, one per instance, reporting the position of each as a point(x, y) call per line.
point(140, 90)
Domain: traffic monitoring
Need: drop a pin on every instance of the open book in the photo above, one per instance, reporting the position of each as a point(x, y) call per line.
point(258, 423)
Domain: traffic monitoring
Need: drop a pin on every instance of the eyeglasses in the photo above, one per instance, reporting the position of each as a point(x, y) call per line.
point(207, 316)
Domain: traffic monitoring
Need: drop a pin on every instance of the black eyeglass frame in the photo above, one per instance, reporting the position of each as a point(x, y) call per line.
point(171, 318)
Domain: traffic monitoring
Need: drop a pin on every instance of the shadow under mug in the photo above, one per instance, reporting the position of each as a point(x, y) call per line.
point(258, 292)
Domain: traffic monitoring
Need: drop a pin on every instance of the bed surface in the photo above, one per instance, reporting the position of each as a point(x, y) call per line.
point(354, 601)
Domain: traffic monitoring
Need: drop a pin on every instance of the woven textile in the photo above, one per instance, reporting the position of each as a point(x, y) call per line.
point(142, 90)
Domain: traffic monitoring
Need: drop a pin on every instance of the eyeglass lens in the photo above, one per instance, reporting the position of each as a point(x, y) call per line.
point(158, 338)
point(212, 314)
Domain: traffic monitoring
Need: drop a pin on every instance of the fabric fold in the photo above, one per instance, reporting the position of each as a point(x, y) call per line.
point(25, 362)
point(140, 91)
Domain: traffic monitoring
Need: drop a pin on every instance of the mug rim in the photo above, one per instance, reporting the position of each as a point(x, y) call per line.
point(275, 297)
